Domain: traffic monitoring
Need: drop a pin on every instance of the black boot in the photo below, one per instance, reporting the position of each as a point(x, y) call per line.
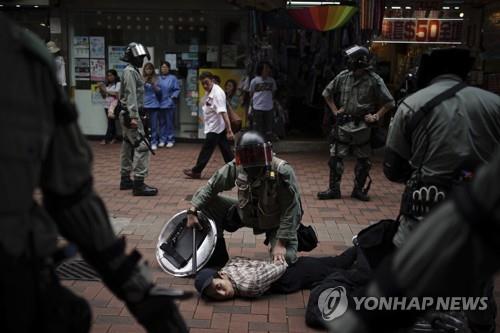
point(361, 174)
point(336, 169)
point(332, 193)
point(360, 194)
point(126, 183)
point(141, 189)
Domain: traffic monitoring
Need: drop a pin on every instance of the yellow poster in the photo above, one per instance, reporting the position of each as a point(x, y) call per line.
point(228, 80)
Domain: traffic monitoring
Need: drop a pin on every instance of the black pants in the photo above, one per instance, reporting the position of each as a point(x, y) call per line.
point(111, 130)
point(263, 123)
point(211, 141)
point(307, 272)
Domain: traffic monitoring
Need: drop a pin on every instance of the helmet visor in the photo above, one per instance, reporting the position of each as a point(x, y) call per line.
point(254, 155)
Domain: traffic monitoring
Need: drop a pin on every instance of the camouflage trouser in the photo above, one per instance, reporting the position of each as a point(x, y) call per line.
point(134, 154)
point(218, 208)
point(356, 139)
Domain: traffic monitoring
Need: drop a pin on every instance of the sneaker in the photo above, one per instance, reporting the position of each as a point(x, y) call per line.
point(154, 147)
point(103, 142)
point(170, 145)
point(161, 145)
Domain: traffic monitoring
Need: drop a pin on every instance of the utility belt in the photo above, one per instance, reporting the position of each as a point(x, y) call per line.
point(420, 197)
point(343, 119)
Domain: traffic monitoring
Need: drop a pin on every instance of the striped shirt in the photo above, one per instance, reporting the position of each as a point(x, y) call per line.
point(252, 278)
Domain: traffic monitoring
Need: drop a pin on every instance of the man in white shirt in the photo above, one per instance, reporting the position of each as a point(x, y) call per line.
point(262, 88)
point(217, 126)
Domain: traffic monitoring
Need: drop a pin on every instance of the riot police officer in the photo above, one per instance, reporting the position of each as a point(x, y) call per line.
point(461, 248)
point(43, 148)
point(438, 137)
point(268, 198)
point(440, 134)
point(353, 97)
point(135, 151)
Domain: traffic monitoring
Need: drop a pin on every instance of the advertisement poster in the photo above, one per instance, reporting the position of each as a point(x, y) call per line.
point(229, 55)
point(114, 55)
point(172, 59)
point(97, 47)
point(96, 95)
point(212, 53)
point(229, 81)
point(97, 70)
point(81, 47)
point(82, 69)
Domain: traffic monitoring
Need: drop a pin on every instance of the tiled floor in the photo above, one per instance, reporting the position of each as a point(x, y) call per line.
point(335, 222)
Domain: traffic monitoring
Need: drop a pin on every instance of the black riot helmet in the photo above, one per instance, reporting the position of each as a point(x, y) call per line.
point(253, 153)
point(358, 57)
point(135, 54)
point(437, 62)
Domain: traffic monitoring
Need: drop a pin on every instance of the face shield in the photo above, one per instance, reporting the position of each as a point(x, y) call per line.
point(257, 155)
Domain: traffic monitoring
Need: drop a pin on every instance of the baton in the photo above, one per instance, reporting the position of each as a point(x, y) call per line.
point(143, 138)
point(194, 252)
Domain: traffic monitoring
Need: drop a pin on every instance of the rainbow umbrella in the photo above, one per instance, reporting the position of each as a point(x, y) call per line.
point(322, 18)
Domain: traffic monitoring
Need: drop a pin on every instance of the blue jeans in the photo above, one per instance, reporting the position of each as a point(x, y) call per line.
point(167, 126)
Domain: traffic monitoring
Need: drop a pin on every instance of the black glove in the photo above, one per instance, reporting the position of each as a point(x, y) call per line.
point(157, 312)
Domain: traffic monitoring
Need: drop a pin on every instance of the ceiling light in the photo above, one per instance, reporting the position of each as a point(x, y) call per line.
point(395, 7)
point(407, 7)
point(312, 3)
point(36, 6)
point(461, 15)
point(446, 7)
point(457, 7)
point(18, 6)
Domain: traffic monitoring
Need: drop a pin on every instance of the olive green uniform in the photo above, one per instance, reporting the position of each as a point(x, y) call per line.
point(271, 204)
point(134, 153)
point(358, 96)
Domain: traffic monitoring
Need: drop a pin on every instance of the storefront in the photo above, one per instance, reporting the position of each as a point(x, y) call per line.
point(190, 35)
point(408, 32)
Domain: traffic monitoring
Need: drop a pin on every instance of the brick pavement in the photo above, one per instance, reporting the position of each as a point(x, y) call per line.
point(335, 222)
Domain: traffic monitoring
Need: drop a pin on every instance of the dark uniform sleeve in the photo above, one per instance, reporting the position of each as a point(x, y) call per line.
point(289, 201)
point(398, 149)
point(222, 180)
point(330, 89)
point(382, 93)
point(68, 190)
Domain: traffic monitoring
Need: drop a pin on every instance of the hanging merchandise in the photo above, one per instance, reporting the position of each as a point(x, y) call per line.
point(322, 18)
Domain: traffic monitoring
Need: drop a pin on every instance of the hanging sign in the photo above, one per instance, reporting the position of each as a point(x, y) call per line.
point(425, 31)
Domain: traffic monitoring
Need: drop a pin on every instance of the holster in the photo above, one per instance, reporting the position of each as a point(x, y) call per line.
point(420, 198)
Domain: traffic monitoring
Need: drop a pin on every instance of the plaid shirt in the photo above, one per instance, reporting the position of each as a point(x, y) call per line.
point(252, 278)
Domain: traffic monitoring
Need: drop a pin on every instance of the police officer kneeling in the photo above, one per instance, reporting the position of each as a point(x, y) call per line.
point(268, 199)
